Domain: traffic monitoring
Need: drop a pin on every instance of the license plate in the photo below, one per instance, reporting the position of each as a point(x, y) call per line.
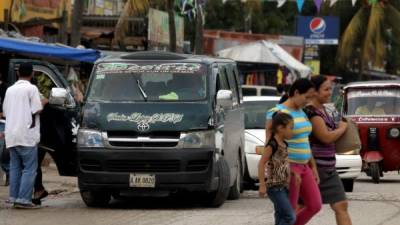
point(142, 180)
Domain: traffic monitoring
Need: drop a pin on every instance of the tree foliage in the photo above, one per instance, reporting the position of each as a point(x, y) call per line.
point(371, 40)
point(370, 35)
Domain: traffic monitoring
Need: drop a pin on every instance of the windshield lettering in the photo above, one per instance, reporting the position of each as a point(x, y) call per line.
point(150, 68)
point(373, 93)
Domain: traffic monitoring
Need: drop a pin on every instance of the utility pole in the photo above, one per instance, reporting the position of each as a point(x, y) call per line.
point(171, 23)
point(199, 29)
point(76, 23)
point(63, 33)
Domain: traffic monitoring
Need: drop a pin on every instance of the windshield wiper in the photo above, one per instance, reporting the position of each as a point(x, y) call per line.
point(141, 90)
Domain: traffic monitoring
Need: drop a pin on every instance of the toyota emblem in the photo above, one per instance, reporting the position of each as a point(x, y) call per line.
point(143, 127)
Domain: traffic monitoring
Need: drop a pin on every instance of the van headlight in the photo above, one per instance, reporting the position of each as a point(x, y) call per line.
point(394, 132)
point(90, 138)
point(198, 139)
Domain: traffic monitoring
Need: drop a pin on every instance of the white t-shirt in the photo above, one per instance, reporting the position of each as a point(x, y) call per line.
point(21, 101)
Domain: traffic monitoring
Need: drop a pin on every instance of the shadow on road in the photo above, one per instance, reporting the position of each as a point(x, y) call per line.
point(182, 201)
point(383, 181)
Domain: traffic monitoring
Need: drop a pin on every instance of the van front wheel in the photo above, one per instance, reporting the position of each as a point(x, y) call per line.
point(95, 198)
point(218, 197)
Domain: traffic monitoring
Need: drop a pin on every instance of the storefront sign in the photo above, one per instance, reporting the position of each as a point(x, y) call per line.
point(318, 30)
point(314, 65)
point(25, 10)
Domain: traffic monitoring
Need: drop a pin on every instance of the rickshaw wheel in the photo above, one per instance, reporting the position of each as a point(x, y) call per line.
point(375, 172)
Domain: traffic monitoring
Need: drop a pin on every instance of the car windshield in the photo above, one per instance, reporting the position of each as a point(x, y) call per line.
point(148, 82)
point(255, 113)
point(377, 102)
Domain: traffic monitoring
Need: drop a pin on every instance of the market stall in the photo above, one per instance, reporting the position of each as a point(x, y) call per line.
point(268, 54)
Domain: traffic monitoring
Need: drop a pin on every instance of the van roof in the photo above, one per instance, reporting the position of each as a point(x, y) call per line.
point(161, 56)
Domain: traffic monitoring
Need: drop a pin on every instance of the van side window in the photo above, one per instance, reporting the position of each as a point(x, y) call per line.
point(239, 90)
point(224, 78)
point(232, 83)
point(222, 83)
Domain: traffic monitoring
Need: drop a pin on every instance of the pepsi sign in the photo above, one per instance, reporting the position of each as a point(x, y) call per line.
point(318, 30)
point(317, 25)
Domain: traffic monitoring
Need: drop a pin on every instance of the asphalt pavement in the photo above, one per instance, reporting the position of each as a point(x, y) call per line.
point(370, 204)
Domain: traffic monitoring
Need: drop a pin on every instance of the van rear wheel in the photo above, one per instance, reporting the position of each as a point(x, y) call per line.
point(95, 198)
point(218, 197)
point(234, 192)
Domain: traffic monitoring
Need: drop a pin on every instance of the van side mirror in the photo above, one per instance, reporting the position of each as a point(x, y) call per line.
point(58, 96)
point(224, 98)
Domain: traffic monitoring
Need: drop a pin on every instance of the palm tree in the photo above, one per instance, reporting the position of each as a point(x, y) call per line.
point(371, 39)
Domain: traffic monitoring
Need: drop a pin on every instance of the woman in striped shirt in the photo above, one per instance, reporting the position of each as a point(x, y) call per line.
point(324, 134)
point(304, 176)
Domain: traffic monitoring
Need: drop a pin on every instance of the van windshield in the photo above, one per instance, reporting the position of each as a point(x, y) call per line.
point(376, 102)
point(148, 82)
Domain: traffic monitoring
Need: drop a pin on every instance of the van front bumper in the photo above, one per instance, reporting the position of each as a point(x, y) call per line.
point(174, 169)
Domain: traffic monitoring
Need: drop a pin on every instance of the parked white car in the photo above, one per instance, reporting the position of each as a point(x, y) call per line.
point(348, 165)
point(258, 90)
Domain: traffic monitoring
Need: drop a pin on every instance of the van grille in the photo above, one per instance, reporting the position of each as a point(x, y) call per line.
point(130, 139)
point(143, 144)
point(90, 165)
point(133, 134)
point(143, 166)
point(197, 165)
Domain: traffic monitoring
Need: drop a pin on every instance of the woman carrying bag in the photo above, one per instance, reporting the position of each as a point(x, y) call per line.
point(323, 137)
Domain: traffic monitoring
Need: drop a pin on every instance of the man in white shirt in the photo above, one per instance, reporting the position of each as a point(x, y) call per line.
point(21, 109)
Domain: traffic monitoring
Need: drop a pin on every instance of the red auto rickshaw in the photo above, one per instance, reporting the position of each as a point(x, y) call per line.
point(375, 107)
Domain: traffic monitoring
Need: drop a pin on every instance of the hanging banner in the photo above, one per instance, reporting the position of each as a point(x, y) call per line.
point(318, 30)
point(280, 3)
point(332, 2)
point(300, 4)
point(158, 31)
point(318, 4)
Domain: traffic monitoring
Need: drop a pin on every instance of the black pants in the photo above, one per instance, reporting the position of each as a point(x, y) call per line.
point(39, 180)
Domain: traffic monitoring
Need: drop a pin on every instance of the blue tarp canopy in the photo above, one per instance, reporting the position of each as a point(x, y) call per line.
point(38, 49)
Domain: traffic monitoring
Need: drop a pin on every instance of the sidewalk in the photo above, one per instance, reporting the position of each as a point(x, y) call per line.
point(57, 186)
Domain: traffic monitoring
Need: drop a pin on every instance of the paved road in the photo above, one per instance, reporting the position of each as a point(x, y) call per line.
point(370, 204)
